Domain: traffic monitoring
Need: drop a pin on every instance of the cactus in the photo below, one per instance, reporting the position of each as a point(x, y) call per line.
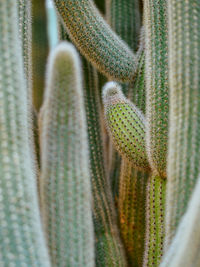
point(99, 44)
point(65, 177)
point(126, 125)
point(39, 50)
point(131, 205)
point(155, 16)
point(184, 142)
point(152, 117)
point(155, 220)
point(108, 244)
point(184, 249)
point(21, 236)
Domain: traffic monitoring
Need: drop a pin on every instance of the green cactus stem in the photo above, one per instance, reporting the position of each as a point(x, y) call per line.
point(108, 247)
point(125, 19)
point(131, 209)
point(184, 249)
point(126, 125)
point(155, 220)
point(39, 50)
point(25, 34)
point(156, 33)
point(65, 176)
point(96, 41)
point(21, 236)
point(184, 142)
point(138, 92)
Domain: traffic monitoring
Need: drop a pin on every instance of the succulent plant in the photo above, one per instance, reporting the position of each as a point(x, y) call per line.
point(108, 173)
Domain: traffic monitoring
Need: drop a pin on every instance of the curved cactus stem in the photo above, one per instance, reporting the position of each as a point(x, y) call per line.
point(155, 220)
point(109, 251)
point(96, 41)
point(21, 236)
point(126, 125)
point(131, 209)
point(184, 142)
point(156, 33)
point(184, 249)
point(65, 176)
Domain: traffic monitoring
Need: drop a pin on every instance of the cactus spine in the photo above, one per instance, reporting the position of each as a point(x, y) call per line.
point(65, 177)
point(184, 141)
point(21, 237)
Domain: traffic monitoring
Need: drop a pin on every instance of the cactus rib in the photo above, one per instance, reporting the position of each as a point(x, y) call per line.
point(184, 142)
point(65, 176)
point(21, 236)
point(156, 73)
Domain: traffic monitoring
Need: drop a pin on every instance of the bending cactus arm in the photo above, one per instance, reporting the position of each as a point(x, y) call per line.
point(65, 176)
point(96, 41)
point(126, 125)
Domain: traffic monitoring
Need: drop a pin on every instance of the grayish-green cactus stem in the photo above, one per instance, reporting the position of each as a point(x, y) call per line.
point(184, 249)
point(96, 41)
point(131, 209)
point(25, 34)
point(21, 237)
point(156, 33)
point(155, 220)
point(126, 125)
point(108, 247)
point(65, 175)
point(184, 142)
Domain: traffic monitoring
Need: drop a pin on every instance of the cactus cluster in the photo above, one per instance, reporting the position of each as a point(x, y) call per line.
point(100, 151)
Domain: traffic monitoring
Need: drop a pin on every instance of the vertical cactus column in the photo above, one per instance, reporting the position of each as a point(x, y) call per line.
point(108, 247)
point(125, 19)
point(155, 220)
point(131, 206)
point(184, 142)
point(156, 34)
point(184, 249)
point(21, 237)
point(65, 175)
point(39, 50)
point(25, 33)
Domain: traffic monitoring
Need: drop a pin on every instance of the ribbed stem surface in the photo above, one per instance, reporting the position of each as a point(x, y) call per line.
point(21, 237)
point(184, 135)
point(65, 175)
